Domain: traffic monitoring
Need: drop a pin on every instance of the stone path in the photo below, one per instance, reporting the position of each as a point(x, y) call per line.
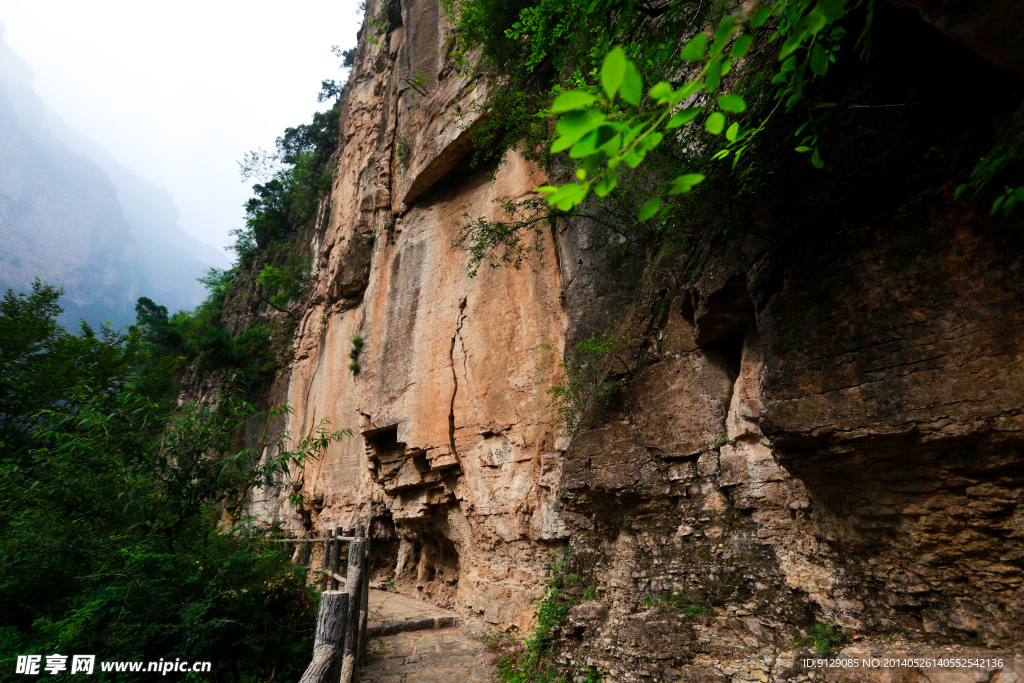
point(417, 642)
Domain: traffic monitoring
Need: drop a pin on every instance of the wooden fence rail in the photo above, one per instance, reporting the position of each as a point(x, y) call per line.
point(340, 642)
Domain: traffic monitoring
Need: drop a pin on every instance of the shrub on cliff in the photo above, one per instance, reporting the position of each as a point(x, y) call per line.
point(293, 178)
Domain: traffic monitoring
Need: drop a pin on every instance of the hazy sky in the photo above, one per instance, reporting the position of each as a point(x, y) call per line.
point(180, 91)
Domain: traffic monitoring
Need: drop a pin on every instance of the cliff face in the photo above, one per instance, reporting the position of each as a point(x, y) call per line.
point(820, 423)
point(455, 458)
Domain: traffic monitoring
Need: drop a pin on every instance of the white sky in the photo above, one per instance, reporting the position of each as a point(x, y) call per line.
point(180, 91)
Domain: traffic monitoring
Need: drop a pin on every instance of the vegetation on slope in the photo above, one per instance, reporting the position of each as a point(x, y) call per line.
point(113, 531)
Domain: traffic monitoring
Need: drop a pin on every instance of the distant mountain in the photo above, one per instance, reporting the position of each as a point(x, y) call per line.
point(72, 215)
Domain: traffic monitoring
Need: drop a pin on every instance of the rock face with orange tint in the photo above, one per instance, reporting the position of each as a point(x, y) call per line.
point(452, 459)
point(811, 427)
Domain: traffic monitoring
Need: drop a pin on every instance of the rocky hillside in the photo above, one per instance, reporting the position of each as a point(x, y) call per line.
point(800, 431)
point(73, 216)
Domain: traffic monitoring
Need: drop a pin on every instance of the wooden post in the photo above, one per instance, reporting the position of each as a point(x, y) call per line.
point(364, 602)
point(330, 630)
point(303, 551)
point(324, 563)
point(336, 564)
point(354, 587)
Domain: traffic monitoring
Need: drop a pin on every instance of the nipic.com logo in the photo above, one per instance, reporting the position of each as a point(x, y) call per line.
point(55, 664)
point(35, 665)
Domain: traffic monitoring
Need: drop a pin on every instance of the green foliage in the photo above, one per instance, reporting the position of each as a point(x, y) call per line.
point(294, 177)
point(711, 96)
point(353, 353)
point(591, 375)
point(825, 638)
point(612, 126)
point(419, 82)
point(281, 284)
point(40, 361)
point(671, 601)
point(533, 662)
point(504, 242)
point(402, 151)
point(112, 524)
point(1008, 151)
point(331, 89)
point(199, 337)
point(207, 342)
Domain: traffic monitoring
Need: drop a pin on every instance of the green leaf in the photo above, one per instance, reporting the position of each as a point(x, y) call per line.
point(684, 183)
point(724, 30)
point(741, 46)
point(574, 125)
point(635, 156)
point(684, 116)
point(590, 142)
point(631, 135)
point(816, 160)
point(758, 18)
point(789, 65)
point(612, 146)
point(1008, 206)
point(804, 148)
point(652, 140)
point(819, 60)
point(649, 209)
point(660, 92)
point(732, 103)
point(567, 196)
point(685, 91)
point(632, 85)
point(613, 69)
point(605, 185)
point(816, 20)
point(570, 100)
point(696, 48)
point(713, 75)
point(791, 44)
point(715, 123)
point(732, 132)
point(834, 9)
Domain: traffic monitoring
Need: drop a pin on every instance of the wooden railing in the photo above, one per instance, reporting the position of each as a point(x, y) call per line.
point(340, 642)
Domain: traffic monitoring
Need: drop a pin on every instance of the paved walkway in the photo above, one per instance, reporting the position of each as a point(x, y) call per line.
point(420, 643)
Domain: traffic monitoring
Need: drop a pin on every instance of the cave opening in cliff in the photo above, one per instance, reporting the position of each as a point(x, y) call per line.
point(428, 561)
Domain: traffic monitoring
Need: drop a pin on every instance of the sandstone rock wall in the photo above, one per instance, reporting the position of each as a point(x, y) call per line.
point(453, 460)
point(814, 425)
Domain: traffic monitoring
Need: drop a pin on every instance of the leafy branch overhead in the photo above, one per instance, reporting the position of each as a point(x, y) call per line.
point(613, 126)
